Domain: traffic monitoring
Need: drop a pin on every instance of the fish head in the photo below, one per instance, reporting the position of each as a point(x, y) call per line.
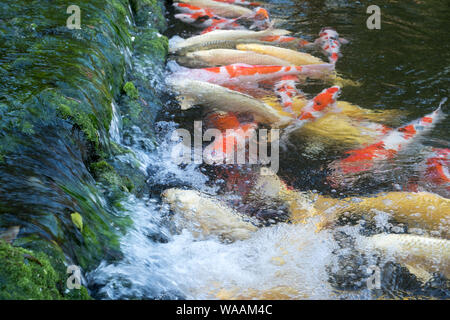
point(326, 98)
point(260, 14)
point(328, 33)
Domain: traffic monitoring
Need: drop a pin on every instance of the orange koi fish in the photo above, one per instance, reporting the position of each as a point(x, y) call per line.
point(252, 74)
point(437, 166)
point(234, 134)
point(388, 147)
point(330, 43)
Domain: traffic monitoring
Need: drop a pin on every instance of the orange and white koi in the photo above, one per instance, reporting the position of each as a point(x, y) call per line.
point(240, 2)
point(260, 18)
point(251, 74)
point(221, 9)
point(234, 135)
point(313, 110)
point(330, 42)
point(211, 23)
point(317, 107)
point(437, 165)
point(222, 24)
point(387, 148)
point(286, 90)
point(188, 8)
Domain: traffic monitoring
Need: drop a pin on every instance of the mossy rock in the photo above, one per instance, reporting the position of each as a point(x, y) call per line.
point(25, 274)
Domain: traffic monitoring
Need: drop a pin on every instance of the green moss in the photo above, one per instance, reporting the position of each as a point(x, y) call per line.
point(61, 84)
point(149, 12)
point(104, 172)
point(131, 90)
point(69, 109)
point(25, 274)
point(151, 42)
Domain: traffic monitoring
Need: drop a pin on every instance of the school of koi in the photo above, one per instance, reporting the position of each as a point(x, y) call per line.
point(283, 79)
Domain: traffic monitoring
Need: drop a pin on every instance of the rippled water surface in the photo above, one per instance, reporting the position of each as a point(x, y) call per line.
point(404, 66)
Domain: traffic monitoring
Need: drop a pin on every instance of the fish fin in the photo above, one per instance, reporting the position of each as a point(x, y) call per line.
point(419, 272)
point(185, 102)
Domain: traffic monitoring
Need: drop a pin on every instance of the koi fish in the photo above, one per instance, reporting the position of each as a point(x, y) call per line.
point(219, 35)
point(286, 90)
point(437, 165)
point(198, 19)
point(421, 255)
point(261, 19)
point(192, 92)
point(427, 211)
point(206, 216)
point(240, 2)
point(215, 44)
point(388, 147)
point(223, 24)
point(291, 56)
point(206, 19)
point(315, 108)
point(188, 8)
point(251, 74)
point(234, 135)
point(219, 8)
point(221, 57)
point(330, 43)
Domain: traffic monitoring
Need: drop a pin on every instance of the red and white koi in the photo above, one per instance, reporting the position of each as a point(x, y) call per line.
point(260, 18)
point(243, 73)
point(286, 90)
point(437, 165)
point(318, 106)
point(223, 24)
point(211, 23)
point(313, 110)
point(188, 8)
point(330, 42)
point(240, 2)
point(389, 146)
point(234, 135)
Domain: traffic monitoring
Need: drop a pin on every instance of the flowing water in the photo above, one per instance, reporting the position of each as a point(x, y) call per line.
point(404, 66)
